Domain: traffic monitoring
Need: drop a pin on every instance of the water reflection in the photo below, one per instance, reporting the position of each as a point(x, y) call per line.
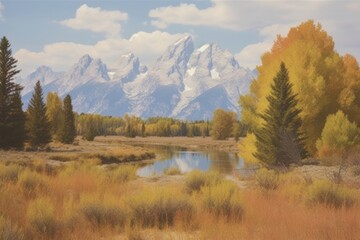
point(187, 161)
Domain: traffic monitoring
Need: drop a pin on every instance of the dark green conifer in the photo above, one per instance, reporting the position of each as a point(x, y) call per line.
point(68, 131)
point(280, 141)
point(10, 102)
point(18, 119)
point(38, 125)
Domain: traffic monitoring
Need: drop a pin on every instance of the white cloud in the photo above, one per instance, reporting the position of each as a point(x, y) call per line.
point(250, 56)
point(97, 20)
point(234, 15)
point(60, 56)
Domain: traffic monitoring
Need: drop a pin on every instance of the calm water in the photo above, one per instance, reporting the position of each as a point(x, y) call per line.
point(187, 160)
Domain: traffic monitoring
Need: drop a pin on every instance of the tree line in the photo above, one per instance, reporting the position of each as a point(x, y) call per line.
point(223, 126)
point(40, 123)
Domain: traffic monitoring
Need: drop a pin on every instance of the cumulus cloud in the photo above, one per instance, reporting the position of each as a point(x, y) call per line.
point(250, 56)
point(96, 20)
point(60, 56)
point(234, 15)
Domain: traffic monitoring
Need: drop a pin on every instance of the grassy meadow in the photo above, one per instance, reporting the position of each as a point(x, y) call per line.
point(80, 198)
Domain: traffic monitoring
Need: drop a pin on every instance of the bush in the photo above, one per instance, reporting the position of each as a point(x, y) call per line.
point(101, 214)
point(30, 182)
point(267, 179)
point(41, 216)
point(9, 173)
point(223, 200)
point(330, 194)
point(9, 231)
point(172, 171)
point(338, 135)
point(159, 207)
point(197, 179)
point(123, 173)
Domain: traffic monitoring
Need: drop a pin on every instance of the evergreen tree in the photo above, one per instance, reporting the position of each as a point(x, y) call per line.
point(280, 141)
point(18, 119)
point(68, 132)
point(10, 101)
point(38, 124)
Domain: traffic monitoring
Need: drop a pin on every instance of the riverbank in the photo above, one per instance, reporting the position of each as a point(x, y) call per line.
point(191, 143)
point(56, 153)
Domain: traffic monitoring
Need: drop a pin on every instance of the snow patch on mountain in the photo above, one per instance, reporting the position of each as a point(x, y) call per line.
point(183, 82)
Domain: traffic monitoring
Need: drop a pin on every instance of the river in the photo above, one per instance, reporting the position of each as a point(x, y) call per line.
point(187, 160)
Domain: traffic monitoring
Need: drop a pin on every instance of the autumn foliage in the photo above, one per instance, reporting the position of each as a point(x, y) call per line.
point(323, 80)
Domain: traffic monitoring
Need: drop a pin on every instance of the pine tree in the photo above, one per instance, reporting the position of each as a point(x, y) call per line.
point(18, 119)
point(38, 124)
point(10, 101)
point(68, 132)
point(280, 142)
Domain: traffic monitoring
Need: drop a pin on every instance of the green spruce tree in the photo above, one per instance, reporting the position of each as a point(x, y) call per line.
point(18, 119)
point(11, 122)
point(68, 131)
point(280, 141)
point(39, 132)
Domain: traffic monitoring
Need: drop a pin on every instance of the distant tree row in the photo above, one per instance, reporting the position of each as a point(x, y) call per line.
point(38, 125)
point(223, 125)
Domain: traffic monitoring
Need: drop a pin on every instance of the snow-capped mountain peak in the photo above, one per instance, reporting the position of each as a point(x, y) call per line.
point(127, 68)
point(183, 82)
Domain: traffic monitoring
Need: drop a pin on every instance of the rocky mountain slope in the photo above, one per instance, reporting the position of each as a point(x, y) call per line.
point(184, 83)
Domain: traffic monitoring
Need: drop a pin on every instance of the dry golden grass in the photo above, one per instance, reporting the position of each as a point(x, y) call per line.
point(83, 200)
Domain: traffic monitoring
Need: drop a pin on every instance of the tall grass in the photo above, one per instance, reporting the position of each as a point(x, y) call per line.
point(84, 200)
point(122, 174)
point(41, 216)
point(9, 172)
point(102, 213)
point(267, 179)
point(330, 194)
point(9, 231)
point(159, 208)
point(223, 200)
point(195, 180)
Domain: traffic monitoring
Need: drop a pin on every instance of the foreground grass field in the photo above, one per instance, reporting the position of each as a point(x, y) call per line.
point(84, 200)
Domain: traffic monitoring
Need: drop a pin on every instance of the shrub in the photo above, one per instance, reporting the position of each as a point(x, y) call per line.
point(267, 179)
point(330, 194)
point(159, 207)
point(41, 216)
point(9, 173)
point(30, 182)
point(197, 179)
point(338, 135)
point(101, 214)
point(9, 231)
point(123, 173)
point(223, 200)
point(172, 171)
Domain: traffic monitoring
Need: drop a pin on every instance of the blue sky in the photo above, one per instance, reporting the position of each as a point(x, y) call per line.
point(57, 33)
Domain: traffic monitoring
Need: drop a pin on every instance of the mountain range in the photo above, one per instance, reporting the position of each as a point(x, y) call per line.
point(184, 83)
